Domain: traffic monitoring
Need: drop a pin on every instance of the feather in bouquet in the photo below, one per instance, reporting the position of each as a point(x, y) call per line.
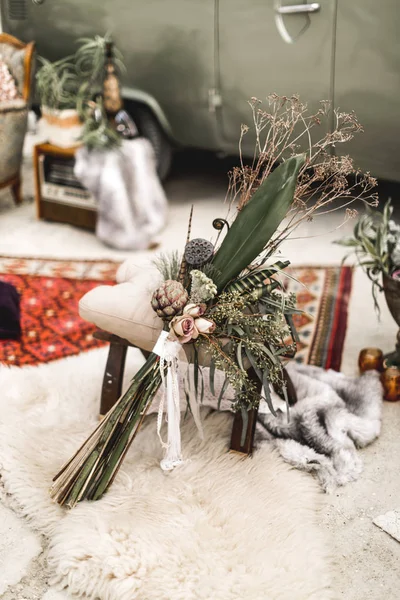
point(223, 304)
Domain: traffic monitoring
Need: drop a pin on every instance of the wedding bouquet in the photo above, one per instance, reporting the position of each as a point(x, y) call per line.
point(224, 303)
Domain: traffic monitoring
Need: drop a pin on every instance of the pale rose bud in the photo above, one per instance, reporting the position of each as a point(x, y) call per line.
point(204, 325)
point(194, 310)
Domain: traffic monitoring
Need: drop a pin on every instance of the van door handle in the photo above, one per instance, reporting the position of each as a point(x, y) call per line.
point(295, 9)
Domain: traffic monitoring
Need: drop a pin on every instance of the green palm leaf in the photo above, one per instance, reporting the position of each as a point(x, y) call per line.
point(257, 278)
point(257, 222)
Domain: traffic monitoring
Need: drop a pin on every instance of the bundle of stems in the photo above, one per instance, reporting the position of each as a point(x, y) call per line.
point(89, 473)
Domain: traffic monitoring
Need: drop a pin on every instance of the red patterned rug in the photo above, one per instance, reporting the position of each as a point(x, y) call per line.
point(50, 291)
point(52, 329)
point(323, 293)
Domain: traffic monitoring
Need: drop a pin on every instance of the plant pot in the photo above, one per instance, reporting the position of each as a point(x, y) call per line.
point(391, 288)
point(61, 127)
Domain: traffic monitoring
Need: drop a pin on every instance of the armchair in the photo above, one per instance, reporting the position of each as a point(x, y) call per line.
point(14, 113)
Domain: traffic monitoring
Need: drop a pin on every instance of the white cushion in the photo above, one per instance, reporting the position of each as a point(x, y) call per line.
point(124, 309)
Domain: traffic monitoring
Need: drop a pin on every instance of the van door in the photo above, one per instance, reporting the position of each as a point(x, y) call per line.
point(368, 81)
point(268, 46)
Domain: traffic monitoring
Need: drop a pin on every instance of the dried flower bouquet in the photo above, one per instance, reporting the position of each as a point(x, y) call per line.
point(223, 301)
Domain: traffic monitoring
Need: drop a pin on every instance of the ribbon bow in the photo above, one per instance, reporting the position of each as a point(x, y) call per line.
point(168, 352)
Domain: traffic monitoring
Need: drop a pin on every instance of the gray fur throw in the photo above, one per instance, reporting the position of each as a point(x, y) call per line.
point(132, 206)
point(334, 415)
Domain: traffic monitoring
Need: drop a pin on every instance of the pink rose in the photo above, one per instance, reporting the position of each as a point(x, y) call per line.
point(183, 329)
point(194, 310)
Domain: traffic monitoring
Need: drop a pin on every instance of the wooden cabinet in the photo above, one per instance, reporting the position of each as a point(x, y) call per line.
point(59, 195)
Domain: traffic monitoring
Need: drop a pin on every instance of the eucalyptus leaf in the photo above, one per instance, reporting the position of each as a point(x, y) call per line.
point(245, 424)
point(196, 372)
point(222, 392)
point(270, 354)
point(267, 392)
point(212, 376)
point(253, 363)
point(238, 330)
point(239, 355)
point(286, 397)
point(293, 330)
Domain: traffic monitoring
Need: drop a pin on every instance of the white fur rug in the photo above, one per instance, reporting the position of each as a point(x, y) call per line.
point(219, 528)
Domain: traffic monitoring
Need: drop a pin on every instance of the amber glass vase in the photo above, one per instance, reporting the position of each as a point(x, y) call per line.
point(391, 383)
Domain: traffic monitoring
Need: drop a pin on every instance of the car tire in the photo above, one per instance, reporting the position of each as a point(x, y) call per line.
point(149, 127)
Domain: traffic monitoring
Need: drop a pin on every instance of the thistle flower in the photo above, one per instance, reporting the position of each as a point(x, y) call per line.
point(203, 288)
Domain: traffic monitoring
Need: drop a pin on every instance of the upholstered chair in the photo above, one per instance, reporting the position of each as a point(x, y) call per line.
point(19, 58)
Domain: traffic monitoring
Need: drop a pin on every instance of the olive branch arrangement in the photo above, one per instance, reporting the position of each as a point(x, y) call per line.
point(375, 243)
point(223, 304)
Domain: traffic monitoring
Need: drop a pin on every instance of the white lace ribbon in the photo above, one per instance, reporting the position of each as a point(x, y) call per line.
point(168, 352)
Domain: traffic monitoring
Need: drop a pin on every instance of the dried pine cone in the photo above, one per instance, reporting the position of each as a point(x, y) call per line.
point(169, 299)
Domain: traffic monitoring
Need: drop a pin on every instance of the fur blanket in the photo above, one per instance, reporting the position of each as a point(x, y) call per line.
point(132, 206)
point(333, 417)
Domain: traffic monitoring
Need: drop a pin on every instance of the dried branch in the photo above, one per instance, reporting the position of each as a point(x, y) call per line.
point(326, 182)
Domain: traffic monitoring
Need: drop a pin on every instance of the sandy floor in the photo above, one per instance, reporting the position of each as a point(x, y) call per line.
point(367, 558)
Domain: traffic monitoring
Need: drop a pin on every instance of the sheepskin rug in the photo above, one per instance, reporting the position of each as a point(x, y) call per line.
point(220, 527)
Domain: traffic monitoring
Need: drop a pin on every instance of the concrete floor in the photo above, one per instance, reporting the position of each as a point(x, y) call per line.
point(367, 559)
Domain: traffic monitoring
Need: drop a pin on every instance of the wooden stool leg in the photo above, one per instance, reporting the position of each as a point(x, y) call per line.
point(113, 376)
point(17, 190)
point(237, 427)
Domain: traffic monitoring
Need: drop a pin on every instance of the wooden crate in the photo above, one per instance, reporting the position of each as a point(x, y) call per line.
point(54, 205)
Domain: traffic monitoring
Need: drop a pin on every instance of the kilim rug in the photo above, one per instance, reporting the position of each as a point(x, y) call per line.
point(50, 291)
point(52, 329)
point(323, 294)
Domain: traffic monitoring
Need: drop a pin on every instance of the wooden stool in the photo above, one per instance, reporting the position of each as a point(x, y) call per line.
point(112, 389)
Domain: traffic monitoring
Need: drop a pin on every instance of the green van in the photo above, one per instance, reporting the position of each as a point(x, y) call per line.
point(193, 64)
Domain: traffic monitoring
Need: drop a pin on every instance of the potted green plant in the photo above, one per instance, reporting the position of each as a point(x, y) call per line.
point(97, 133)
point(69, 91)
point(89, 66)
point(376, 246)
point(58, 87)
